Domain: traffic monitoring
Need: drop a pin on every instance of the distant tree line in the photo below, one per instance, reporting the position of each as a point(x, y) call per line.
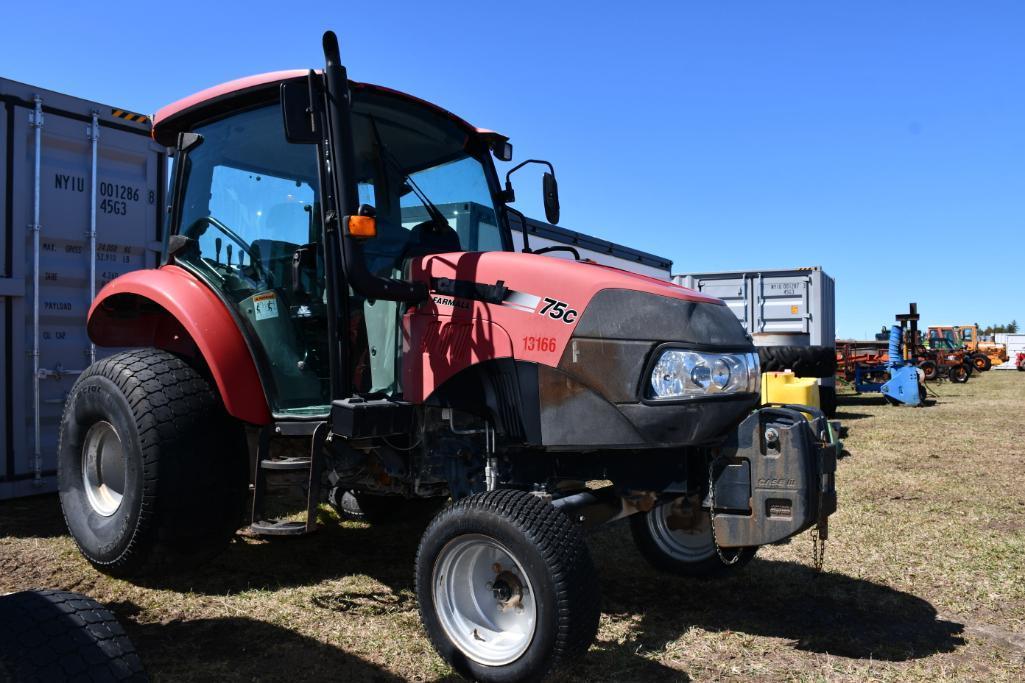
point(1009, 328)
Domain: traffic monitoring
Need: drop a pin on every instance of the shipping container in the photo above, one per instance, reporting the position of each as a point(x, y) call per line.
point(794, 306)
point(82, 189)
point(541, 234)
point(1015, 344)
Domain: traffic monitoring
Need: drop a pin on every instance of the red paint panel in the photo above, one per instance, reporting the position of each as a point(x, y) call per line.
point(518, 328)
point(205, 319)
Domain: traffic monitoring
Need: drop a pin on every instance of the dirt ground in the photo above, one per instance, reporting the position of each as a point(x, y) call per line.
point(924, 578)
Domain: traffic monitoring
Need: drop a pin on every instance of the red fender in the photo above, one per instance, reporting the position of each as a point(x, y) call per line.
point(120, 317)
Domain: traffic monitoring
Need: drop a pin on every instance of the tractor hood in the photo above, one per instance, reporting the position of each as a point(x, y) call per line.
point(554, 298)
point(582, 338)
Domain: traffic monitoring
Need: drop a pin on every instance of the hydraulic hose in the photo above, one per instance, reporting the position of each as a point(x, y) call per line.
point(895, 358)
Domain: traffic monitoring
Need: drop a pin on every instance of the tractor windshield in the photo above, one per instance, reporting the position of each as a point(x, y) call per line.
point(420, 170)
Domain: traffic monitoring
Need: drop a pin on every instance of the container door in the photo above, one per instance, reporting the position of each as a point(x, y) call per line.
point(734, 291)
point(128, 192)
point(8, 288)
point(782, 305)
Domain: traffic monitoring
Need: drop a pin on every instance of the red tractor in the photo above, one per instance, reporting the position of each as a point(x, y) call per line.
point(340, 303)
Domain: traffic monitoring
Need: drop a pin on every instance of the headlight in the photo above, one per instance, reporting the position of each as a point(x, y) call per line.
point(692, 374)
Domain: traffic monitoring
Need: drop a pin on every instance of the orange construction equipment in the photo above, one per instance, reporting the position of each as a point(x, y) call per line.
point(984, 354)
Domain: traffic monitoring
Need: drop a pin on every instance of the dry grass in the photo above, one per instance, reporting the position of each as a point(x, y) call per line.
point(924, 578)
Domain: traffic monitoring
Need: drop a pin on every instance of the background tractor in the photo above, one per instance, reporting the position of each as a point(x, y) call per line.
point(982, 354)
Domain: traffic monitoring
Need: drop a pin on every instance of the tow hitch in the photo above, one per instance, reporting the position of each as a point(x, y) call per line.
point(774, 478)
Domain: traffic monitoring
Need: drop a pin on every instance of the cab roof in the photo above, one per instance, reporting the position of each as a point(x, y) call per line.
point(180, 115)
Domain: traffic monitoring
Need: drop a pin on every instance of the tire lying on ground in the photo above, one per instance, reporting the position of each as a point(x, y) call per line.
point(804, 361)
point(152, 473)
point(49, 635)
point(506, 587)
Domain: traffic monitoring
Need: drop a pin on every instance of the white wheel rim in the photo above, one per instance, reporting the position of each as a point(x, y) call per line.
point(671, 532)
point(103, 469)
point(484, 600)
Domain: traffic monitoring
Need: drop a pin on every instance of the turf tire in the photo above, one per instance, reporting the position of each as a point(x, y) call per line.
point(704, 564)
point(185, 462)
point(50, 635)
point(558, 564)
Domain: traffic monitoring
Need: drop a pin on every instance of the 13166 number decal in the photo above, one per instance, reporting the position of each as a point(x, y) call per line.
point(544, 344)
point(558, 310)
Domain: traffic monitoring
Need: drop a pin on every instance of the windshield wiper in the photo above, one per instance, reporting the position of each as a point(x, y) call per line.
point(437, 218)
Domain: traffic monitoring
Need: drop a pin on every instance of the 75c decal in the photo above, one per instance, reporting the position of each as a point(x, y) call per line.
point(558, 310)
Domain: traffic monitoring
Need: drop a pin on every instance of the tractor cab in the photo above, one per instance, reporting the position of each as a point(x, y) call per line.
point(248, 221)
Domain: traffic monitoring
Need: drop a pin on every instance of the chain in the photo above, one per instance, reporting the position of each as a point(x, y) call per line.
point(818, 549)
point(711, 516)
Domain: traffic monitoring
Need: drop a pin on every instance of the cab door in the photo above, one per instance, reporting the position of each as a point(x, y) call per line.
point(249, 212)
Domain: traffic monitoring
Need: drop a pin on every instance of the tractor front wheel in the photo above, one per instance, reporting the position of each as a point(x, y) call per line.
point(506, 587)
point(929, 370)
point(981, 362)
point(152, 472)
point(959, 373)
point(681, 543)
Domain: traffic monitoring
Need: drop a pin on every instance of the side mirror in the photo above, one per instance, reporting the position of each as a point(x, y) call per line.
point(298, 113)
point(551, 194)
point(503, 151)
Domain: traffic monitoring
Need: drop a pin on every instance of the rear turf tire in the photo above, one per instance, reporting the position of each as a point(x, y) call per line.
point(527, 569)
point(684, 551)
point(50, 635)
point(183, 473)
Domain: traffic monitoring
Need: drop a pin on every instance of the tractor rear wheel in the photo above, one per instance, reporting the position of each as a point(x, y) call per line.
point(151, 471)
point(981, 362)
point(506, 587)
point(959, 373)
point(929, 369)
point(690, 551)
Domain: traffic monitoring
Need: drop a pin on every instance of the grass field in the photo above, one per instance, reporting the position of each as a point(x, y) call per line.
point(924, 578)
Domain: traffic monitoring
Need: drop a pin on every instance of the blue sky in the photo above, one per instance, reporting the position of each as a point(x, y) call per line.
point(884, 141)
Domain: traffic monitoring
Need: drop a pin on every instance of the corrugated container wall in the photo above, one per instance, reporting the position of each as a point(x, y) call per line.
point(541, 234)
point(128, 196)
point(777, 307)
point(1015, 344)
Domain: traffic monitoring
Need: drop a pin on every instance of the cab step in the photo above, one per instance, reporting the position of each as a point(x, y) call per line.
point(266, 467)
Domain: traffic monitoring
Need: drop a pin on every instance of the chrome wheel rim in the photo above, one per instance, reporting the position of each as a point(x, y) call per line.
point(484, 600)
point(103, 469)
point(682, 534)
